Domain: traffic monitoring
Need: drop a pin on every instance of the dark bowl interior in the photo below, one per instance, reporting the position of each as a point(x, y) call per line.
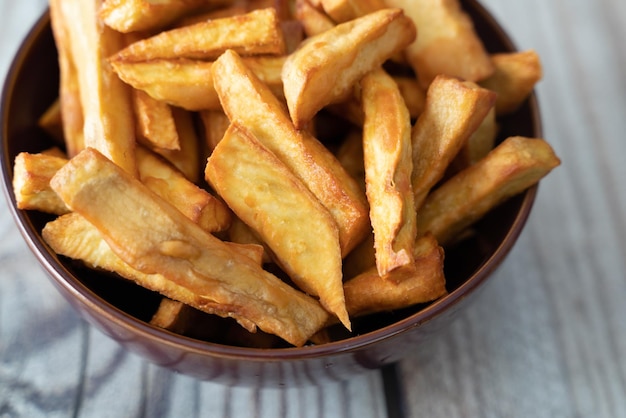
point(122, 309)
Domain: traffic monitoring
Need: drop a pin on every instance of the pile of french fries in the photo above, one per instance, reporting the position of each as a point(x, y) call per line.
point(191, 155)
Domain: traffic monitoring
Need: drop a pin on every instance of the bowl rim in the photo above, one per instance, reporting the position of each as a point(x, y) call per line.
point(64, 279)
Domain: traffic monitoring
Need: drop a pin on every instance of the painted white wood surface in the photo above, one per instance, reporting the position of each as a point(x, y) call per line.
point(546, 338)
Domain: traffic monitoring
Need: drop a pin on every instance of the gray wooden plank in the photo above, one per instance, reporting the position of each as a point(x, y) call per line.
point(547, 337)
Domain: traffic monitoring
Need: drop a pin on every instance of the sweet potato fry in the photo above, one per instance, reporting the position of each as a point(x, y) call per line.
point(326, 66)
point(148, 15)
point(447, 42)
point(31, 182)
point(269, 198)
point(154, 237)
point(254, 33)
point(249, 102)
point(453, 111)
point(388, 166)
point(513, 166)
point(369, 293)
point(514, 79)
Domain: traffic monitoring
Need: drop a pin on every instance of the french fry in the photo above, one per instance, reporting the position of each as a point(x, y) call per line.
point(31, 182)
point(447, 42)
point(514, 79)
point(343, 10)
point(414, 95)
point(155, 122)
point(388, 166)
point(242, 234)
point(148, 15)
point(169, 183)
point(33, 172)
point(189, 83)
point(369, 293)
point(510, 168)
point(229, 11)
point(453, 111)
point(350, 155)
point(105, 99)
point(326, 66)
point(187, 158)
point(478, 144)
point(52, 122)
point(69, 85)
point(218, 279)
point(73, 236)
point(172, 315)
point(256, 32)
point(313, 20)
point(249, 102)
point(179, 82)
point(269, 198)
point(215, 124)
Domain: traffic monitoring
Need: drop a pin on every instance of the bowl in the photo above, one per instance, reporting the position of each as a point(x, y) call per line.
point(112, 305)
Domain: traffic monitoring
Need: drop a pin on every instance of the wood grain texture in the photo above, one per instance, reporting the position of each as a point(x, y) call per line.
point(545, 338)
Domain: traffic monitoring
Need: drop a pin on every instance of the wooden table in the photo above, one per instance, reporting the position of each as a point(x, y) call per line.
point(546, 338)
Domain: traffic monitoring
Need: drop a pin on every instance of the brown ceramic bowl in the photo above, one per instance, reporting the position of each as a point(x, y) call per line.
point(122, 310)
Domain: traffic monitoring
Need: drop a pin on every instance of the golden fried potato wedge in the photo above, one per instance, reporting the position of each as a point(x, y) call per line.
point(343, 10)
point(447, 42)
point(413, 93)
point(214, 124)
point(269, 198)
point(424, 282)
point(478, 144)
point(169, 183)
point(510, 168)
point(249, 102)
point(313, 20)
point(51, 121)
point(228, 11)
point(172, 315)
point(179, 82)
point(187, 158)
point(148, 15)
point(155, 122)
point(326, 66)
point(105, 99)
point(453, 111)
point(69, 84)
point(242, 234)
point(31, 182)
point(153, 236)
point(515, 77)
point(388, 167)
point(189, 83)
point(350, 155)
point(73, 236)
point(254, 33)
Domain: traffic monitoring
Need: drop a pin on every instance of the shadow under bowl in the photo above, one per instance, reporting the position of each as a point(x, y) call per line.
point(122, 309)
